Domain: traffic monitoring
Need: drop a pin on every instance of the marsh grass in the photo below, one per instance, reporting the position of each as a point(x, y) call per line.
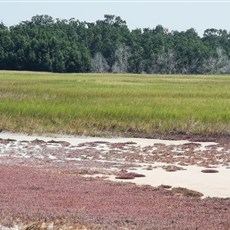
point(114, 104)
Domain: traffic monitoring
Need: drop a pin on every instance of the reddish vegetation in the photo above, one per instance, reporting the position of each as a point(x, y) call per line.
point(209, 171)
point(125, 177)
point(172, 168)
point(184, 192)
point(166, 186)
point(128, 176)
point(29, 195)
point(42, 182)
point(137, 175)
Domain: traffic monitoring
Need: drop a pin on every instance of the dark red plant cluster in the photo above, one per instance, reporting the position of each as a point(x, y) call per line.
point(128, 175)
point(29, 196)
point(209, 171)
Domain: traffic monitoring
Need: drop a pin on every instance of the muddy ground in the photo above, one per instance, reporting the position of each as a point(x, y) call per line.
point(58, 184)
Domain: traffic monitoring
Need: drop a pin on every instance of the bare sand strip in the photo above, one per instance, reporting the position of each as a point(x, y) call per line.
point(75, 140)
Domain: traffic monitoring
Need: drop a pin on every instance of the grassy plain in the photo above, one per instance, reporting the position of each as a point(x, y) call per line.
point(114, 104)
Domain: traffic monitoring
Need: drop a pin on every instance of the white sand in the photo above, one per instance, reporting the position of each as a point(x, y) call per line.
point(210, 184)
point(75, 140)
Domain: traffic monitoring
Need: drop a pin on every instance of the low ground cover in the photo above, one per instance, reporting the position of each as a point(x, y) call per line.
point(69, 201)
point(120, 104)
point(60, 183)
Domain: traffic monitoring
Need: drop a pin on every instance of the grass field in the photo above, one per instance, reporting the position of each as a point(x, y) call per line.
point(114, 104)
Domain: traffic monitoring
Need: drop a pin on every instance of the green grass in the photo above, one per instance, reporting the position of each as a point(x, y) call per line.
point(114, 104)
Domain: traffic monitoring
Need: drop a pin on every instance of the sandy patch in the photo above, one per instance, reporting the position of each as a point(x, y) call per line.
point(211, 185)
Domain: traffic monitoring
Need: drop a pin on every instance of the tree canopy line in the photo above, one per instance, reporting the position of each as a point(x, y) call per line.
point(108, 45)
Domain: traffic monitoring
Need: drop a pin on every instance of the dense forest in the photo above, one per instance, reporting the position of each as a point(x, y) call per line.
point(108, 45)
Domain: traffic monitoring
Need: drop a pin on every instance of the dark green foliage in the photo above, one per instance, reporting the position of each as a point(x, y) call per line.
point(47, 44)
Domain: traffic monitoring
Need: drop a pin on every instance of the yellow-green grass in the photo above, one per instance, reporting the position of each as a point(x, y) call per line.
point(114, 104)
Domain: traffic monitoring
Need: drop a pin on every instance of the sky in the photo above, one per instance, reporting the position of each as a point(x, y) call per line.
point(174, 15)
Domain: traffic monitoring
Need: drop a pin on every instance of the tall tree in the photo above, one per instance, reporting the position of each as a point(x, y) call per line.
point(107, 45)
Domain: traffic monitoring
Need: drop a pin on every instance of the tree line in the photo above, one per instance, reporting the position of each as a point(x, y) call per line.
point(108, 45)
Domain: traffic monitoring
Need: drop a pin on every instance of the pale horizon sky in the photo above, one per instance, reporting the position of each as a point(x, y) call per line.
point(173, 15)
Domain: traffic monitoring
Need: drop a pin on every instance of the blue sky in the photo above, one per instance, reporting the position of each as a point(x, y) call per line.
point(174, 15)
